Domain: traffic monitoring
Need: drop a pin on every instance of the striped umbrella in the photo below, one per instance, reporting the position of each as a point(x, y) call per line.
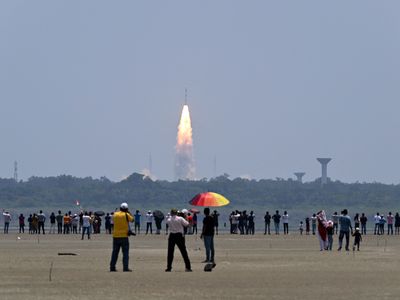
point(209, 199)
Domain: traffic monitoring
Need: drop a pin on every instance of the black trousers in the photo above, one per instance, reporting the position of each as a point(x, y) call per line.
point(119, 243)
point(179, 240)
point(267, 228)
point(59, 228)
point(285, 228)
point(149, 226)
point(41, 226)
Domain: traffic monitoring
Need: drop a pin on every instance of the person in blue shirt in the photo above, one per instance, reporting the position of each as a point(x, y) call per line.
point(345, 228)
point(137, 221)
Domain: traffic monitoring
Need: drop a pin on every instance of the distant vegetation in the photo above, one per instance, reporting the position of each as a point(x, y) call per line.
point(51, 193)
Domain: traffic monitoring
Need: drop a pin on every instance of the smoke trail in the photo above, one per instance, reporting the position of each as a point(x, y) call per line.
point(184, 161)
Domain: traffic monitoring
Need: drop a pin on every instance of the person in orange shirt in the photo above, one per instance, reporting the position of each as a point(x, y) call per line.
point(67, 222)
point(121, 218)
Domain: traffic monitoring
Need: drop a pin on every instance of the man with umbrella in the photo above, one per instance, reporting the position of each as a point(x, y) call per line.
point(207, 235)
point(176, 225)
point(120, 237)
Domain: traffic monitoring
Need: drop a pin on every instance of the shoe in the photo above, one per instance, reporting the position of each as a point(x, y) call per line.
point(340, 248)
point(113, 270)
point(347, 249)
point(168, 270)
point(214, 265)
point(188, 270)
point(127, 270)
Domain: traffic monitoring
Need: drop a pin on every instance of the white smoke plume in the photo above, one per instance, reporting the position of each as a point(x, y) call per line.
point(184, 161)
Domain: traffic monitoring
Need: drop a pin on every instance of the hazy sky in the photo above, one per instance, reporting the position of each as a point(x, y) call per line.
point(91, 88)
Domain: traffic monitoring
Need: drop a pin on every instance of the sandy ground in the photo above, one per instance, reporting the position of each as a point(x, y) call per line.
point(252, 267)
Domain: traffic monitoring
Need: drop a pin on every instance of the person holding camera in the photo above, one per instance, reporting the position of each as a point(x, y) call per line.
point(122, 218)
point(176, 226)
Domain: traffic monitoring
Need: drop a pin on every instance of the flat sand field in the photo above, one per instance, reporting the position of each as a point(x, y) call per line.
point(248, 267)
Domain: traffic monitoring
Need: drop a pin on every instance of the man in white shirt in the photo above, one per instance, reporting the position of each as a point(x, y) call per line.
point(377, 220)
point(285, 221)
point(176, 226)
point(149, 222)
point(7, 220)
point(86, 225)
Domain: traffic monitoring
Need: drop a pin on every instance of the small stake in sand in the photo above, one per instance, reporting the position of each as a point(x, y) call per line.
point(50, 271)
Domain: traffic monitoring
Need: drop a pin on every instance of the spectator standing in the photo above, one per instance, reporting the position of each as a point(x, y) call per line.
point(335, 219)
point(301, 227)
point(277, 218)
point(267, 223)
point(207, 235)
point(314, 223)
point(195, 223)
point(357, 221)
point(107, 222)
point(158, 221)
point(112, 222)
point(80, 221)
point(21, 221)
point(382, 223)
point(122, 219)
point(176, 237)
point(138, 217)
point(7, 220)
point(397, 223)
point(390, 220)
point(86, 225)
point(377, 219)
point(329, 232)
point(149, 222)
point(30, 219)
point(35, 223)
point(357, 239)
point(59, 219)
point(363, 221)
point(215, 215)
point(307, 225)
point(345, 228)
point(52, 223)
point(41, 220)
point(67, 221)
point(285, 221)
point(74, 223)
point(251, 224)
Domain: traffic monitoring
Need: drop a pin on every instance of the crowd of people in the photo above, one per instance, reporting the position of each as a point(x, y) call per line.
point(240, 222)
point(181, 223)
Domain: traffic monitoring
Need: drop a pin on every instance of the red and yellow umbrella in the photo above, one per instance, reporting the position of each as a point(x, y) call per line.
point(209, 199)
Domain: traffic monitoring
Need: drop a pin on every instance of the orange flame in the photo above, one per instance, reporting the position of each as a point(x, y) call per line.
point(185, 128)
point(184, 164)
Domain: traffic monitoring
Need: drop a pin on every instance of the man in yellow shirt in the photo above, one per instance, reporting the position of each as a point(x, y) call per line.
point(120, 237)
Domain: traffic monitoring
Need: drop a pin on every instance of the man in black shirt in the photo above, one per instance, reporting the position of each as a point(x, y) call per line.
point(277, 218)
point(215, 215)
point(267, 219)
point(363, 221)
point(207, 235)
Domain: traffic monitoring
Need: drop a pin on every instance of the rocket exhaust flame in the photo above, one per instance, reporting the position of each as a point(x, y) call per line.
point(184, 161)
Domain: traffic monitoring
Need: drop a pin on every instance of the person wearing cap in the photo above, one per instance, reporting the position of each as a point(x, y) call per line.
point(120, 237)
point(149, 222)
point(176, 224)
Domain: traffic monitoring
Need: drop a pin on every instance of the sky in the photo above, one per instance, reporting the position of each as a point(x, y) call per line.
point(94, 88)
